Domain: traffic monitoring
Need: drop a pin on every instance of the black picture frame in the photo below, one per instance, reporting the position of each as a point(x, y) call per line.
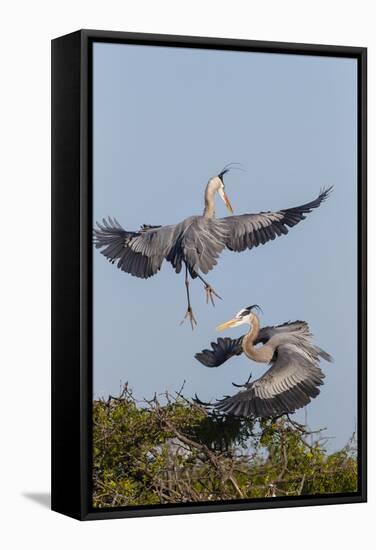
point(72, 269)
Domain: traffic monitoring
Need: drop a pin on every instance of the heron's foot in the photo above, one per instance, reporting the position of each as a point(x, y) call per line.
point(189, 315)
point(210, 293)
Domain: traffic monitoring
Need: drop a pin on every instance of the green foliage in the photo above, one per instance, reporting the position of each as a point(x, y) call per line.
point(150, 453)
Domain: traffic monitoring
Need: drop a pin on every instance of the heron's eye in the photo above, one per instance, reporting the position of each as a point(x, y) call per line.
point(242, 313)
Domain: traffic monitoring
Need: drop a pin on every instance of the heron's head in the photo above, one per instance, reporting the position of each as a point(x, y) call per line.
point(244, 317)
point(216, 185)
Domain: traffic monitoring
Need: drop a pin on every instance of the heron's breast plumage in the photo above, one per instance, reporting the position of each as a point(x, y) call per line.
point(198, 241)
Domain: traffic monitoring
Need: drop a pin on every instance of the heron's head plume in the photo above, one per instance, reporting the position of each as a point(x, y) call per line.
point(254, 307)
point(228, 167)
point(243, 317)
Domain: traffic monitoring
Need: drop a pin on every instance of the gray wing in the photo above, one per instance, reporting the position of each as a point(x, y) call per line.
point(140, 253)
point(197, 241)
point(290, 327)
point(291, 382)
point(294, 332)
point(221, 351)
point(251, 230)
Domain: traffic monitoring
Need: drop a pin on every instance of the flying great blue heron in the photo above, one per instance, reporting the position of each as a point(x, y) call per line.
point(291, 381)
point(197, 241)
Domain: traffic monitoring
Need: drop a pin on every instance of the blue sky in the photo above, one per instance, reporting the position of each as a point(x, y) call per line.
point(165, 121)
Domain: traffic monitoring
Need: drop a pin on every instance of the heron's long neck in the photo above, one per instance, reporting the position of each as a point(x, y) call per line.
point(209, 210)
point(262, 354)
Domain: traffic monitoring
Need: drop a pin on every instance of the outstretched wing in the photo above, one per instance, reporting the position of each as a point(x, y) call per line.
point(221, 351)
point(251, 230)
point(196, 240)
point(139, 253)
point(291, 382)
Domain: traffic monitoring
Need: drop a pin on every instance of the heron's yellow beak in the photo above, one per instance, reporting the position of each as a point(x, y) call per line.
point(228, 324)
point(226, 200)
point(227, 203)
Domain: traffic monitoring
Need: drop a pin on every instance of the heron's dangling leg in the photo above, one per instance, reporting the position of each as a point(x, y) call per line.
point(189, 313)
point(210, 292)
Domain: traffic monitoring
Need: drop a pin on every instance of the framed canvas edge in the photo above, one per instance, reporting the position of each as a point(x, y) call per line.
point(66, 369)
point(264, 504)
point(223, 43)
point(87, 37)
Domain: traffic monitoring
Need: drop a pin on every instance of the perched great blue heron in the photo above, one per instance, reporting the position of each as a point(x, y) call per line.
point(294, 375)
point(197, 241)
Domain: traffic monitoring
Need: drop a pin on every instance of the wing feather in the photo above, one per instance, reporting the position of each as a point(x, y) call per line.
point(251, 230)
point(292, 380)
point(139, 253)
point(222, 350)
point(197, 241)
